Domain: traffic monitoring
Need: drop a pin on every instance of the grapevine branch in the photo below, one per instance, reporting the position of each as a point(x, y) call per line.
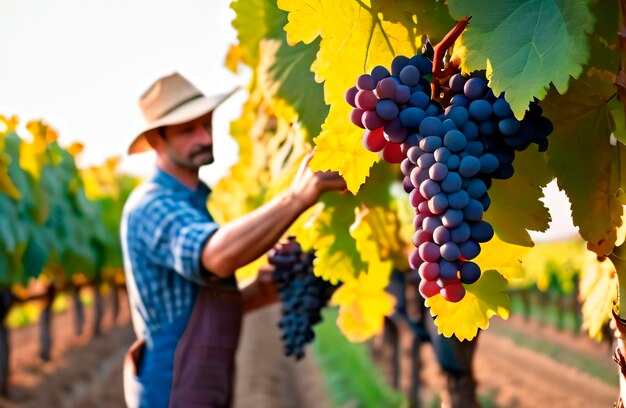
point(440, 51)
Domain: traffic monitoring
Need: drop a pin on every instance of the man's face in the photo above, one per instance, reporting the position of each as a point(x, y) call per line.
point(189, 145)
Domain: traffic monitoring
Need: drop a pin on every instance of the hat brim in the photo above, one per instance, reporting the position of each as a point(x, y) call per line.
point(186, 113)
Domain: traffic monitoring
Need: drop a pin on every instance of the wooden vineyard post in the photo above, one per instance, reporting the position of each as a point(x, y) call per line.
point(79, 311)
point(45, 322)
point(98, 304)
point(6, 300)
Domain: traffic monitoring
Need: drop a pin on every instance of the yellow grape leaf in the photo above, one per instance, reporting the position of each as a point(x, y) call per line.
point(598, 292)
point(8, 125)
point(376, 233)
point(75, 149)
point(504, 257)
point(34, 155)
point(484, 299)
point(355, 39)
point(364, 303)
point(339, 148)
point(233, 58)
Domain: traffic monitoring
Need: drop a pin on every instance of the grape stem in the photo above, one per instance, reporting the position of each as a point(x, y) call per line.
point(440, 50)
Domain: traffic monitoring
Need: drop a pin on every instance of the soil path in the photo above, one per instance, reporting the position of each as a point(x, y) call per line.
point(86, 372)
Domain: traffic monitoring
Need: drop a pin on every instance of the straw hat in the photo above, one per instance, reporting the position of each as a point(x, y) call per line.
point(172, 100)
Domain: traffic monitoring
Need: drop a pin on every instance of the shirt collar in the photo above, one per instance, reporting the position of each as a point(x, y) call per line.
point(166, 180)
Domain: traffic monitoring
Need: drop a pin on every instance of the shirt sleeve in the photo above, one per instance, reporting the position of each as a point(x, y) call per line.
point(175, 234)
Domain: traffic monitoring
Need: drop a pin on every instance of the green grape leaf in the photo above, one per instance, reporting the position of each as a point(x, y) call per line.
point(254, 21)
point(583, 158)
point(515, 205)
point(527, 44)
point(483, 299)
point(285, 75)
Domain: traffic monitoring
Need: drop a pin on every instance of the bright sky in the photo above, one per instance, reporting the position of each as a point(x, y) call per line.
point(81, 65)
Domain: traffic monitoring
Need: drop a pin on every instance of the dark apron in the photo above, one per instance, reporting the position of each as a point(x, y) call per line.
point(192, 369)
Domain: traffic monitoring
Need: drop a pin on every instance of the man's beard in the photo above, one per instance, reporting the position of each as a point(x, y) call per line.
point(197, 158)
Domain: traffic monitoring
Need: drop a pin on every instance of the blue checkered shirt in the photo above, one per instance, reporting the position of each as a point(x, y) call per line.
point(164, 228)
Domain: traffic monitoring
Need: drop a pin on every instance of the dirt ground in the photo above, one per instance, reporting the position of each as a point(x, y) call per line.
point(86, 371)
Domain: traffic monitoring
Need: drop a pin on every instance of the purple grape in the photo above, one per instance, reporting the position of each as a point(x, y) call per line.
point(458, 200)
point(387, 109)
point(481, 231)
point(451, 183)
point(429, 252)
point(469, 167)
point(438, 204)
point(406, 166)
point(407, 185)
point(414, 153)
point(470, 272)
point(426, 160)
point(473, 211)
point(395, 132)
point(429, 189)
point(456, 83)
point(441, 235)
point(452, 218)
point(455, 140)
point(423, 64)
point(397, 64)
point(438, 171)
point(480, 110)
point(476, 188)
point(350, 95)
point(430, 143)
point(488, 163)
point(365, 81)
point(461, 233)
point(371, 120)
point(386, 88)
point(501, 108)
point(450, 251)
point(509, 126)
point(431, 223)
point(411, 117)
point(416, 198)
point(475, 88)
point(379, 72)
point(403, 93)
point(355, 117)
point(420, 236)
point(429, 271)
point(366, 100)
point(419, 100)
point(471, 130)
point(460, 100)
point(469, 249)
point(442, 155)
point(431, 126)
point(488, 127)
point(410, 75)
point(447, 269)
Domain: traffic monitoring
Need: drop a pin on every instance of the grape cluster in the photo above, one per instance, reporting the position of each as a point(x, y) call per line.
point(391, 105)
point(303, 295)
point(448, 159)
point(475, 107)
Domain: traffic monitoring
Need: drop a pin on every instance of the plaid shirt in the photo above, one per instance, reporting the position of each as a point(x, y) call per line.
point(164, 227)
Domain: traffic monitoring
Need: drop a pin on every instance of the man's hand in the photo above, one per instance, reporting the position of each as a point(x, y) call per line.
point(261, 291)
point(308, 186)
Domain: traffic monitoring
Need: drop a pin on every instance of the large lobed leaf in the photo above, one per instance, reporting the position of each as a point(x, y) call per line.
point(483, 300)
point(598, 292)
point(583, 158)
point(353, 40)
point(515, 205)
point(527, 44)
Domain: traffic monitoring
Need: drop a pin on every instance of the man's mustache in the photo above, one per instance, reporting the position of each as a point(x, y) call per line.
point(201, 150)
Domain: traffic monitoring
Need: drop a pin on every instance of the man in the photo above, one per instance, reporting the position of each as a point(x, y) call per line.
point(186, 306)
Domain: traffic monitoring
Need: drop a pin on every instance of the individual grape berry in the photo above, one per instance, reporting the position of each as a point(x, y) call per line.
point(373, 140)
point(392, 153)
